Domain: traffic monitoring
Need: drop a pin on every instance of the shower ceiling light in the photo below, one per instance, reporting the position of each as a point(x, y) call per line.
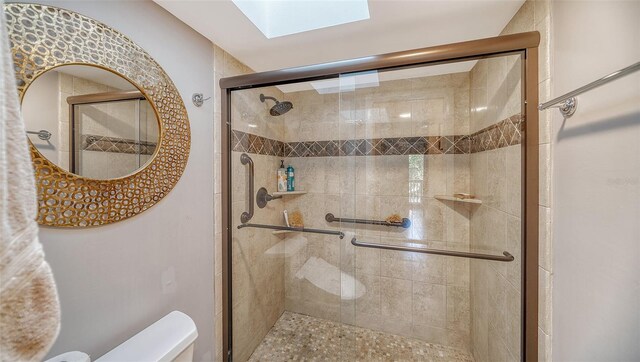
point(404, 115)
point(279, 18)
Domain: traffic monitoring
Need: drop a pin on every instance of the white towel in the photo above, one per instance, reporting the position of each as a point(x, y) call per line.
point(29, 307)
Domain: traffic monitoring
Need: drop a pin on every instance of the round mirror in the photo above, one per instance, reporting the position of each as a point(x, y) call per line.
point(90, 121)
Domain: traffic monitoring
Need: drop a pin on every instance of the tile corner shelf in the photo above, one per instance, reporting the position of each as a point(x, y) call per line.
point(287, 193)
point(456, 199)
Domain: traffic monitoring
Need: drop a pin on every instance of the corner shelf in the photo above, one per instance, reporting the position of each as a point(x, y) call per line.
point(288, 193)
point(453, 198)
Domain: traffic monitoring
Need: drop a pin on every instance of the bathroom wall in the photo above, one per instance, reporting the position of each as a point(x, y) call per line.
point(117, 279)
point(258, 254)
point(410, 294)
point(38, 115)
point(596, 152)
point(495, 173)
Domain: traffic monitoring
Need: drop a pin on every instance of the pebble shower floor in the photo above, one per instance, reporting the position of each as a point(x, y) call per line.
point(297, 337)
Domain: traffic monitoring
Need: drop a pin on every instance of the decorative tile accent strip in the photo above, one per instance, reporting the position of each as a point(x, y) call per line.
point(505, 133)
point(247, 142)
point(116, 145)
point(378, 147)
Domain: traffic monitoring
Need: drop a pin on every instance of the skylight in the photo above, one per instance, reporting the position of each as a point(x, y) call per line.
point(276, 18)
point(347, 83)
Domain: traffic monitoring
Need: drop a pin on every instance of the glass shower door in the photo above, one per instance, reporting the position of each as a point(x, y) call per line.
point(402, 235)
point(435, 153)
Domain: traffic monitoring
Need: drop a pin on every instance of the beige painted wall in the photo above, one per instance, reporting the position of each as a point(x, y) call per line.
point(596, 153)
point(115, 280)
point(39, 105)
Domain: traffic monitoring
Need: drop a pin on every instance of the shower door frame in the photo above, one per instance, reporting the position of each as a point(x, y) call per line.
point(525, 44)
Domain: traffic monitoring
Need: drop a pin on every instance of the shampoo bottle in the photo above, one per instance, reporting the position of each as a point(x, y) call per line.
point(282, 177)
point(291, 186)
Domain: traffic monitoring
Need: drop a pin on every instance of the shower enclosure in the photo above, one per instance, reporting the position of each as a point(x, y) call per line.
point(112, 134)
point(412, 228)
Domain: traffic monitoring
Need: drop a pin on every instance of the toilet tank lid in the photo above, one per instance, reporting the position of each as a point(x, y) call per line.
point(164, 340)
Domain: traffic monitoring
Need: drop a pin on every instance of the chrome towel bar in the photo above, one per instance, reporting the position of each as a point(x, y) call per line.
point(43, 134)
point(405, 223)
point(568, 103)
point(247, 215)
point(506, 257)
point(288, 228)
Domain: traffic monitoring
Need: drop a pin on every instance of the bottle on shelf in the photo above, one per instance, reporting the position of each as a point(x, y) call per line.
point(291, 185)
point(282, 177)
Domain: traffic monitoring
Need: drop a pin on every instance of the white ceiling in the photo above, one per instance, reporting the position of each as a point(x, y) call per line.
point(395, 25)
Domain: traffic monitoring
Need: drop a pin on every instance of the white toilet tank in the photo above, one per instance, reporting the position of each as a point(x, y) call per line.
point(169, 339)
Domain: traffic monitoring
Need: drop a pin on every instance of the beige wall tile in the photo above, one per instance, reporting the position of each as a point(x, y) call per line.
point(544, 300)
point(430, 304)
point(545, 241)
point(545, 175)
point(396, 299)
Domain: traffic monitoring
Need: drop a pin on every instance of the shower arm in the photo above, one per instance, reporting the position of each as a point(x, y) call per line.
point(247, 215)
point(263, 98)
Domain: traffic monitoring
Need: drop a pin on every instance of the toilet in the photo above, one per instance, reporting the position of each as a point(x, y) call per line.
point(169, 339)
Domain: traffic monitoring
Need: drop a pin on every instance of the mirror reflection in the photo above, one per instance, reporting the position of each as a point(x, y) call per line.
point(90, 121)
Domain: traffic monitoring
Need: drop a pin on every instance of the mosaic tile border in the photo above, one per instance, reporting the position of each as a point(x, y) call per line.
point(247, 142)
point(116, 145)
point(505, 133)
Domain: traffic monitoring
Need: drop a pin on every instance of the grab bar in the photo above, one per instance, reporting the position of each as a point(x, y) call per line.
point(405, 223)
point(568, 101)
point(506, 258)
point(288, 228)
point(247, 215)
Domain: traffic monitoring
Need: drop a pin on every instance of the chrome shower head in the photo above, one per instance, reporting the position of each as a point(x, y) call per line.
point(279, 108)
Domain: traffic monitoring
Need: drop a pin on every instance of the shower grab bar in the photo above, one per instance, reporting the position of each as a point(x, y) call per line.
point(461, 254)
point(405, 223)
point(247, 215)
point(568, 101)
point(289, 228)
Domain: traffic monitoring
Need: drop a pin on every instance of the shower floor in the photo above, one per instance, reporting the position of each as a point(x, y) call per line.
point(297, 337)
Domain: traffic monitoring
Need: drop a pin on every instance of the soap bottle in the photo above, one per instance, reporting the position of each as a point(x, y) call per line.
point(282, 178)
point(291, 186)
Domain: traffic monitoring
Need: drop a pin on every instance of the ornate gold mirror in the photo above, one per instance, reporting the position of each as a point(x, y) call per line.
point(108, 129)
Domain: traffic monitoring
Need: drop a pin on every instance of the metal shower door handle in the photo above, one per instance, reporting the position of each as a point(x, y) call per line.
point(247, 215)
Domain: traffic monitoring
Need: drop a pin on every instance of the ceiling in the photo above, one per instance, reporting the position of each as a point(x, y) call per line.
point(97, 75)
point(393, 26)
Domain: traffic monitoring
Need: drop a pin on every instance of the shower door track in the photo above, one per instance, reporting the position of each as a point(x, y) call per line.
point(525, 44)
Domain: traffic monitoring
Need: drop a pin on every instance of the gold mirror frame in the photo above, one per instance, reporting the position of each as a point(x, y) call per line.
point(45, 37)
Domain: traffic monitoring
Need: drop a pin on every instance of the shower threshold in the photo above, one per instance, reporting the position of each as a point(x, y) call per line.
point(297, 337)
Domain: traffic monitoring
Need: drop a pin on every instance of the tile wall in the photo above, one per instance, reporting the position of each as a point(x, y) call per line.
point(410, 294)
point(495, 83)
